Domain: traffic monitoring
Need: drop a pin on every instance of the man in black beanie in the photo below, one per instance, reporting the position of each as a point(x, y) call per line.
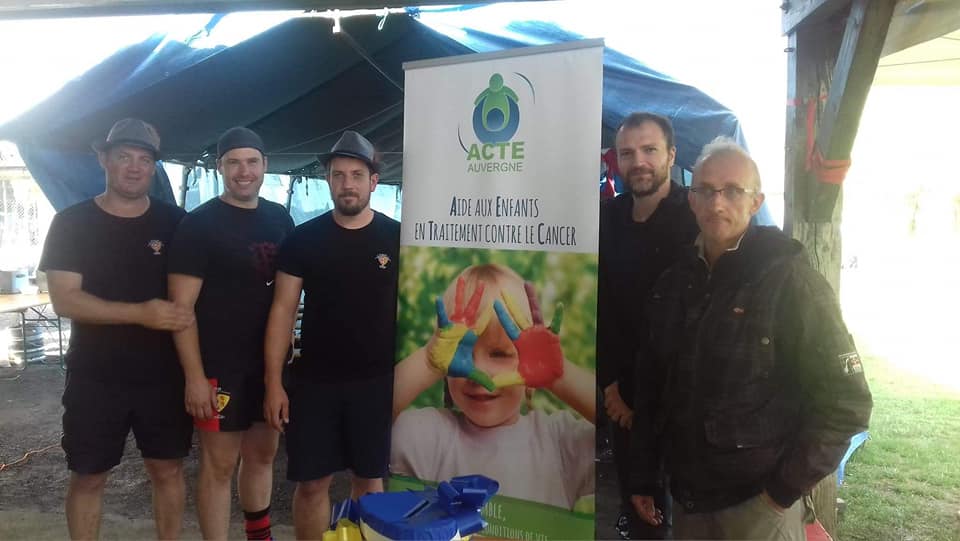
point(222, 264)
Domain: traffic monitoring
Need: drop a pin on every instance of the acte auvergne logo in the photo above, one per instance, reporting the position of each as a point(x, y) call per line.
point(496, 115)
point(495, 120)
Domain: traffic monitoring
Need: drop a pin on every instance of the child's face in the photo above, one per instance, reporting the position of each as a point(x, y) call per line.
point(493, 353)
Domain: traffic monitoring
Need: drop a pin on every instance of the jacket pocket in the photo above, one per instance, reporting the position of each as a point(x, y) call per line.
point(741, 432)
point(744, 447)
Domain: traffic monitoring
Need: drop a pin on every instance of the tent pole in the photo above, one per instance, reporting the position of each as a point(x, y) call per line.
point(293, 183)
point(183, 186)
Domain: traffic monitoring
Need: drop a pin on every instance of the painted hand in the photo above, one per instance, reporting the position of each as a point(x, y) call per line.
point(451, 349)
point(538, 347)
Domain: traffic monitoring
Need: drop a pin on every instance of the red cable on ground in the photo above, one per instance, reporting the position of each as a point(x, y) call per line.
point(27, 455)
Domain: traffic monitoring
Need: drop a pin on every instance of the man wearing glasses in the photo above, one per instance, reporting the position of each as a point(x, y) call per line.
point(759, 386)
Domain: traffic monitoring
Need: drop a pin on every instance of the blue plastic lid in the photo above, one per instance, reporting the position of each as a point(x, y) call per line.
point(406, 515)
point(432, 514)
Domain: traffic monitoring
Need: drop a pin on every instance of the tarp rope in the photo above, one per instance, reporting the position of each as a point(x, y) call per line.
point(826, 171)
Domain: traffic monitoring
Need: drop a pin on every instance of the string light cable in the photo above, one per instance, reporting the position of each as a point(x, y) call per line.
point(5, 466)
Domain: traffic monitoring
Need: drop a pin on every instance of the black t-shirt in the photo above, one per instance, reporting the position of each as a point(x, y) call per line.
point(632, 256)
point(121, 260)
point(349, 276)
point(234, 251)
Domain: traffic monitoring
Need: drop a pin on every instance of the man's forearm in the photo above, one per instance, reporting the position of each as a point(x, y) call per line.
point(645, 438)
point(821, 442)
point(279, 332)
point(277, 342)
point(610, 363)
point(834, 391)
point(81, 306)
point(187, 342)
point(644, 443)
point(184, 291)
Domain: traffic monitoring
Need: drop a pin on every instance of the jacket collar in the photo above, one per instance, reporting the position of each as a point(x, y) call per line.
point(698, 244)
point(757, 249)
point(676, 198)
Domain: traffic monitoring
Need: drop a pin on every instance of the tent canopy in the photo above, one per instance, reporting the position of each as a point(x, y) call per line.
point(300, 85)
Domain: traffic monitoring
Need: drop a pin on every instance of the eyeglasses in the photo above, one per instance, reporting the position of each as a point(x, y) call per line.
point(730, 193)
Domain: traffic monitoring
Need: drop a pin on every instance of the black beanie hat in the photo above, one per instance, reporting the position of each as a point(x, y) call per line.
point(238, 137)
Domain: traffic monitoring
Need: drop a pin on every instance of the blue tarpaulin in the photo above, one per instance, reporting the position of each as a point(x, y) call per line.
point(300, 85)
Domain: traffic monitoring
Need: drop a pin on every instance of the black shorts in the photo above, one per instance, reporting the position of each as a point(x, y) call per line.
point(98, 417)
point(339, 426)
point(239, 403)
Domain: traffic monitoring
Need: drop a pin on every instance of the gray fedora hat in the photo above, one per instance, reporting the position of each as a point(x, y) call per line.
point(352, 145)
point(132, 132)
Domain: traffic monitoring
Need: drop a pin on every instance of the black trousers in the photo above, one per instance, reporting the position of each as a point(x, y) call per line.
point(620, 440)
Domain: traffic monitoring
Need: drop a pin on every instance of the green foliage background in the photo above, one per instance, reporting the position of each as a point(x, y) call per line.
point(426, 272)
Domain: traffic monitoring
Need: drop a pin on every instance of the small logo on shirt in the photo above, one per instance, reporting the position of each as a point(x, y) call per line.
point(383, 260)
point(270, 283)
point(264, 260)
point(156, 246)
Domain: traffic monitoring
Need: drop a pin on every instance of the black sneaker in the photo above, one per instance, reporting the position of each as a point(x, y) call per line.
point(623, 526)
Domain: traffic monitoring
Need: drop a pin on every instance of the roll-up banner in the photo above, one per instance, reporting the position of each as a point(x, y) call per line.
point(498, 283)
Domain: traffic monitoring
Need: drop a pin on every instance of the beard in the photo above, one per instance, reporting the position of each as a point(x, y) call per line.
point(351, 209)
point(641, 187)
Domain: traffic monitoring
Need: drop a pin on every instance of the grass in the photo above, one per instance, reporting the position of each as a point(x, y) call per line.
point(904, 484)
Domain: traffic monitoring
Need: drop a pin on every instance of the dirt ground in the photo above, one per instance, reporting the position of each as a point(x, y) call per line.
point(32, 491)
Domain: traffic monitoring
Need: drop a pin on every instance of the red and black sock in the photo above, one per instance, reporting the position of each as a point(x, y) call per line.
point(257, 524)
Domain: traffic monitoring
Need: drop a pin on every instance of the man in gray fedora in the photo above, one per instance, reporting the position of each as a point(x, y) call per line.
point(339, 410)
point(105, 260)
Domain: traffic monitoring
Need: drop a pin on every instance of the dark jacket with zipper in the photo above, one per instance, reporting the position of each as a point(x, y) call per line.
point(758, 385)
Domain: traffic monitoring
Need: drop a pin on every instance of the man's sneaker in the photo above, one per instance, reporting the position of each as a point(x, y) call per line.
point(623, 526)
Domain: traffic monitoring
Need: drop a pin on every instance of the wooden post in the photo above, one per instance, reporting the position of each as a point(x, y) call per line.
point(812, 52)
point(805, 48)
point(833, 63)
point(832, 59)
point(865, 31)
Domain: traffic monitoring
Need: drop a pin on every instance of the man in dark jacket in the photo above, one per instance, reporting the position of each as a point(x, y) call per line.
point(642, 232)
point(758, 385)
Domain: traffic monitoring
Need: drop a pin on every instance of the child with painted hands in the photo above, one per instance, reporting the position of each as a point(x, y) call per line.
point(451, 349)
point(491, 367)
point(538, 348)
